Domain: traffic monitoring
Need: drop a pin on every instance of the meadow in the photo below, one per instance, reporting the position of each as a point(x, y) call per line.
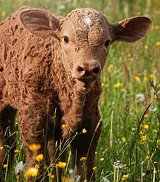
point(129, 147)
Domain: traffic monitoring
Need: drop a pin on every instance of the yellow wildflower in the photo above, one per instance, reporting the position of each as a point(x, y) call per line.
point(1, 147)
point(143, 139)
point(61, 165)
point(16, 151)
point(125, 177)
point(39, 157)
point(123, 139)
point(156, 27)
point(94, 168)
point(84, 131)
point(118, 85)
point(101, 159)
point(83, 158)
point(34, 147)
point(137, 78)
point(146, 116)
point(31, 172)
point(5, 166)
point(51, 175)
point(151, 76)
point(158, 44)
point(144, 126)
point(154, 131)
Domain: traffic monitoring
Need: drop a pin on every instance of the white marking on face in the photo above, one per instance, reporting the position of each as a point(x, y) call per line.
point(88, 21)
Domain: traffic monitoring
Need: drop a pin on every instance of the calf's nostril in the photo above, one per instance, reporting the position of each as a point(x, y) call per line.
point(96, 71)
point(80, 70)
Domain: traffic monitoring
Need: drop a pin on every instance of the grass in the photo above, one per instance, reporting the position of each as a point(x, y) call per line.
point(129, 146)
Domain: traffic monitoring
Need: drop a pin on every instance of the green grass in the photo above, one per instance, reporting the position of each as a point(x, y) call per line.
point(130, 140)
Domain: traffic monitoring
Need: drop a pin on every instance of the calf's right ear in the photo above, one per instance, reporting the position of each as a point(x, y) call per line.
point(39, 22)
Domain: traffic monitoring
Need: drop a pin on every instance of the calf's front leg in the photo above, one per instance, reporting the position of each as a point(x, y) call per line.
point(84, 146)
point(32, 125)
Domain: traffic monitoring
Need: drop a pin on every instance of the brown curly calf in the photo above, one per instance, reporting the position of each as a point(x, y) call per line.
point(50, 70)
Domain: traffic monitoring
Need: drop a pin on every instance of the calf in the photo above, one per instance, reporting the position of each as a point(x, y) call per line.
point(50, 69)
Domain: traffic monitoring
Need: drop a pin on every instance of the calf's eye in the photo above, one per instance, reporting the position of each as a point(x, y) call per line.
point(107, 43)
point(66, 39)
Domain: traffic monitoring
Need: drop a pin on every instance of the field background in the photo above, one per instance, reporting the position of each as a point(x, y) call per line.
point(129, 147)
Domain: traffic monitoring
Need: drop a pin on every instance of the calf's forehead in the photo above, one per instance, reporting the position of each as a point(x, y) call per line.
point(85, 19)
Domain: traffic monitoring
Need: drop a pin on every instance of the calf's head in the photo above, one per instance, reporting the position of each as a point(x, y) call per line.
point(85, 36)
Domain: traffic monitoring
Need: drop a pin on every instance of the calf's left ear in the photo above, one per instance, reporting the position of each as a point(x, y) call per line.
point(131, 29)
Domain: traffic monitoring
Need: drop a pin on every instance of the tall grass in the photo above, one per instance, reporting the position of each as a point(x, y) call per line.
point(129, 147)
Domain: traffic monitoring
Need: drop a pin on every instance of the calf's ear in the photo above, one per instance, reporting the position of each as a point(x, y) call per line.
point(39, 22)
point(131, 29)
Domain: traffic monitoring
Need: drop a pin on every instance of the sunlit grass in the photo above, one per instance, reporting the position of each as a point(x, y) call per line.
point(129, 146)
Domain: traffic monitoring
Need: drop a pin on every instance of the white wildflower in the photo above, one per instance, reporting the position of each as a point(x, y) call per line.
point(71, 171)
point(19, 167)
point(117, 165)
point(153, 109)
point(140, 97)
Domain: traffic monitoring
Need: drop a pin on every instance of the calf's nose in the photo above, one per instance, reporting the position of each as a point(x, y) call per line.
point(86, 70)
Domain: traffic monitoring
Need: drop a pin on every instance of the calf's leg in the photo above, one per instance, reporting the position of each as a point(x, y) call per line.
point(32, 124)
point(83, 150)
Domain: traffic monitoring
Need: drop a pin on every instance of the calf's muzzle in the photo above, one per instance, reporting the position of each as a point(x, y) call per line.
point(87, 71)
